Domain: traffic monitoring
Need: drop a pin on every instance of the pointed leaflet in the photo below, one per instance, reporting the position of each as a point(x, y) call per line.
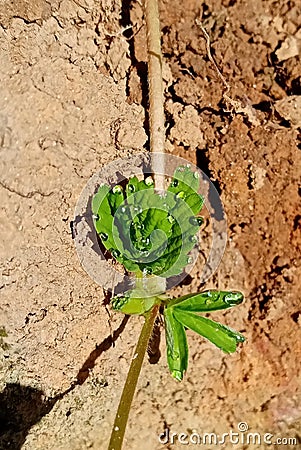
point(176, 343)
point(210, 300)
point(220, 335)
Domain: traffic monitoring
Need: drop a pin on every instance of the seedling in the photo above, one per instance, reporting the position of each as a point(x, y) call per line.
point(152, 236)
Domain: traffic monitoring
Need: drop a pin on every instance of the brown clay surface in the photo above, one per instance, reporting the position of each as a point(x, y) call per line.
point(72, 97)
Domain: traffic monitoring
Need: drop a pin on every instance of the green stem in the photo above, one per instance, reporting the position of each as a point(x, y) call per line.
point(131, 381)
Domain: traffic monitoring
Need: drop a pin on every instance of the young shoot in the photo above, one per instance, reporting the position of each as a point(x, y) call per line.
point(152, 236)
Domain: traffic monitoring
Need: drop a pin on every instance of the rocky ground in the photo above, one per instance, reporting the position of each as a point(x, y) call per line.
point(73, 94)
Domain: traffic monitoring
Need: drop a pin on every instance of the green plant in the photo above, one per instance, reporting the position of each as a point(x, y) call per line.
point(152, 236)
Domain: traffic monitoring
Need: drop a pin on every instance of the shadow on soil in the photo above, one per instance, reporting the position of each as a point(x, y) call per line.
point(21, 407)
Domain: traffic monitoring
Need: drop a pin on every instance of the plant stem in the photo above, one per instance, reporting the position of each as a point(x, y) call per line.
point(157, 144)
point(156, 95)
point(131, 381)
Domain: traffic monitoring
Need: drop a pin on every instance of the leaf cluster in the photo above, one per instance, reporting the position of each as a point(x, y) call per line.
point(147, 232)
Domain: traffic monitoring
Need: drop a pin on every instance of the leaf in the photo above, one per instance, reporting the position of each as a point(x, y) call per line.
point(176, 345)
point(147, 232)
point(134, 301)
point(220, 335)
point(210, 300)
point(185, 184)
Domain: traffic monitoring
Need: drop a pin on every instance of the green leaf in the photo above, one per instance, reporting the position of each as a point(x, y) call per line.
point(185, 184)
point(220, 335)
point(134, 301)
point(147, 232)
point(176, 345)
point(210, 300)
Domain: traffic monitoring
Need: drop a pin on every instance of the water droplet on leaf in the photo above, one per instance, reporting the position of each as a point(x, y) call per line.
point(116, 253)
point(174, 183)
point(131, 188)
point(181, 194)
point(233, 298)
point(103, 236)
point(117, 189)
point(192, 220)
point(149, 181)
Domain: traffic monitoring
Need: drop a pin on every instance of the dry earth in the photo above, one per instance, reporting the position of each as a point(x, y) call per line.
point(73, 96)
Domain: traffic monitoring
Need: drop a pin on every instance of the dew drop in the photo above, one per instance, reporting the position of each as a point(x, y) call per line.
point(170, 219)
point(117, 189)
point(193, 239)
point(198, 221)
point(233, 298)
point(181, 194)
point(95, 216)
point(193, 221)
point(149, 181)
point(189, 260)
point(123, 209)
point(131, 188)
point(103, 236)
point(196, 175)
point(175, 183)
point(115, 253)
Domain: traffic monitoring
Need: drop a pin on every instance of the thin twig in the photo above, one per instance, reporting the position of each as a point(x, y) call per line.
point(156, 95)
point(211, 58)
point(236, 105)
